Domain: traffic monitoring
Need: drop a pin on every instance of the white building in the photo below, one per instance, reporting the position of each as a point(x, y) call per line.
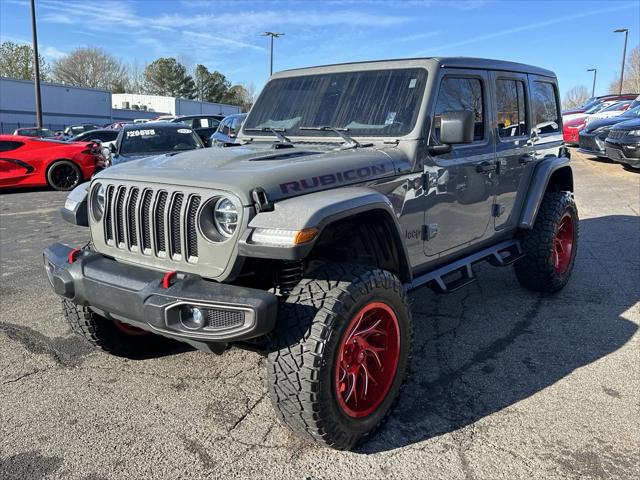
point(64, 105)
point(170, 105)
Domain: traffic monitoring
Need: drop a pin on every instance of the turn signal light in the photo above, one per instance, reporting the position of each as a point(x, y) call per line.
point(276, 236)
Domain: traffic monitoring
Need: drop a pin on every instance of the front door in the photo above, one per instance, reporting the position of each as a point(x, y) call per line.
point(515, 154)
point(459, 196)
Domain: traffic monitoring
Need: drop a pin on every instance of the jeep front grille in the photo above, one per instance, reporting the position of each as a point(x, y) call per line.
point(153, 222)
point(617, 133)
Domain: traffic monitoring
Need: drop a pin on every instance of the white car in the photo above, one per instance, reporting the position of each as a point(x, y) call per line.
point(614, 110)
point(591, 111)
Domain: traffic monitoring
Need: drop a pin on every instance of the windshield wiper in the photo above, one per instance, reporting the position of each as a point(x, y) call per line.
point(278, 132)
point(351, 142)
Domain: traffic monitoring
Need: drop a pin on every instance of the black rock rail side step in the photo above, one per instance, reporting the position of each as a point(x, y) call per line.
point(458, 274)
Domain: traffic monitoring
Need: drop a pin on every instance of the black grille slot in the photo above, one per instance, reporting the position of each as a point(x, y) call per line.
point(223, 319)
point(145, 218)
point(161, 244)
point(192, 235)
point(119, 215)
point(176, 207)
point(131, 215)
point(107, 215)
point(153, 222)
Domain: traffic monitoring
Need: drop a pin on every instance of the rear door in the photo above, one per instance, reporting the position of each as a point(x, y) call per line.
point(460, 198)
point(515, 154)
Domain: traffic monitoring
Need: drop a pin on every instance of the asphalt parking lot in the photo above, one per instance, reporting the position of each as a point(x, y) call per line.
point(506, 384)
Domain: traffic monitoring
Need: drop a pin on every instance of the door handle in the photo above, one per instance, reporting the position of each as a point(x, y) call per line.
point(526, 158)
point(486, 167)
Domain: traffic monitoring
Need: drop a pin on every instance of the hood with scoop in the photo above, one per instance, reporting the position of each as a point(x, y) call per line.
point(282, 173)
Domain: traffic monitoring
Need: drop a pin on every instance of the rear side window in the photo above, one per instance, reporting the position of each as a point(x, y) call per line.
point(545, 108)
point(460, 94)
point(512, 118)
point(9, 145)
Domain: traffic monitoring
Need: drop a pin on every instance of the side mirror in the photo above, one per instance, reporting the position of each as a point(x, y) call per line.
point(112, 148)
point(457, 127)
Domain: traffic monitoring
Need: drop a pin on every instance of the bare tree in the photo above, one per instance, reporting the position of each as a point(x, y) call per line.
point(16, 61)
point(631, 83)
point(93, 68)
point(575, 96)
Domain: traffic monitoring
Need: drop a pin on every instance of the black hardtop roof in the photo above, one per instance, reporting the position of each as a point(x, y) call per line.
point(460, 62)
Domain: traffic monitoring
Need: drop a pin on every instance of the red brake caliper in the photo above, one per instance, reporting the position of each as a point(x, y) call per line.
point(367, 359)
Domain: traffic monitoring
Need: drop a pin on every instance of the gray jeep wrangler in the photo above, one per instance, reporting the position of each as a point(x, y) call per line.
point(353, 184)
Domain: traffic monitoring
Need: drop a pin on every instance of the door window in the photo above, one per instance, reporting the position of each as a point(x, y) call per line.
point(511, 114)
point(458, 93)
point(546, 116)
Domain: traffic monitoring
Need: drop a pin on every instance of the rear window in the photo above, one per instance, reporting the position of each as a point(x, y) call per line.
point(512, 118)
point(545, 108)
point(158, 140)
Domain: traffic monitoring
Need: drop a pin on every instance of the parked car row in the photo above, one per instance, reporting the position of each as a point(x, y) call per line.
point(615, 138)
point(39, 157)
point(606, 127)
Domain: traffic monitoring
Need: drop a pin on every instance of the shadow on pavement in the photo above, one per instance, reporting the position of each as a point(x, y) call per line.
point(483, 350)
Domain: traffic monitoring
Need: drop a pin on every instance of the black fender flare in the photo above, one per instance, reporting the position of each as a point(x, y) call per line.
point(539, 184)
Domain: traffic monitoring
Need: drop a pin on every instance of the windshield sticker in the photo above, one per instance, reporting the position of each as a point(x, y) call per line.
point(391, 116)
point(412, 83)
point(184, 130)
point(141, 133)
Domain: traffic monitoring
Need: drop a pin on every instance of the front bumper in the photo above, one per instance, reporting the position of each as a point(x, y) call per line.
point(624, 152)
point(135, 295)
point(591, 144)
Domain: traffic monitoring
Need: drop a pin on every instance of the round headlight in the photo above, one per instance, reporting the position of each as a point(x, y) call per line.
point(97, 201)
point(225, 217)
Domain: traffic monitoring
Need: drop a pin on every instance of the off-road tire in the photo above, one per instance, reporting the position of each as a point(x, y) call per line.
point(306, 344)
point(536, 270)
point(103, 334)
point(63, 184)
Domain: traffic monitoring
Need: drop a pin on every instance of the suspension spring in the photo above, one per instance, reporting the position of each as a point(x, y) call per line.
point(289, 275)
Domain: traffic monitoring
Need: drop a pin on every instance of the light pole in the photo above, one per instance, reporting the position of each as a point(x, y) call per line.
point(36, 66)
point(595, 72)
point(624, 54)
point(272, 35)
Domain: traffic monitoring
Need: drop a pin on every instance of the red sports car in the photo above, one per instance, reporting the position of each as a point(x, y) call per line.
point(29, 162)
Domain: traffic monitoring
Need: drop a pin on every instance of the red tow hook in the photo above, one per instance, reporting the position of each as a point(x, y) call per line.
point(73, 254)
point(166, 280)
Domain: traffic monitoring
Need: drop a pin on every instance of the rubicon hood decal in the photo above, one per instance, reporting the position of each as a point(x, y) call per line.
point(333, 179)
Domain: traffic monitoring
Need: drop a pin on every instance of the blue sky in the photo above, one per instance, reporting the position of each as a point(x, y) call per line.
point(565, 36)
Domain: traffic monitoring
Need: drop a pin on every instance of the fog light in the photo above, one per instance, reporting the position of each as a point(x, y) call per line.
point(192, 318)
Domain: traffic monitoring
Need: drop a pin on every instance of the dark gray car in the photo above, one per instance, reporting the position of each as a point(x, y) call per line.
point(354, 184)
point(227, 133)
point(137, 141)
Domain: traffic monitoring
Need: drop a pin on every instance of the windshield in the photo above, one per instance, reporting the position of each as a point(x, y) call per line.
point(597, 108)
point(158, 140)
point(369, 103)
point(632, 113)
point(615, 107)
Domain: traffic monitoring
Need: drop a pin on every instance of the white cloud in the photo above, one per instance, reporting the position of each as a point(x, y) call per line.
point(52, 53)
point(521, 28)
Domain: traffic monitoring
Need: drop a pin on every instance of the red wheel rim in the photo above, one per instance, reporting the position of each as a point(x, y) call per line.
point(367, 359)
point(563, 244)
point(129, 329)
